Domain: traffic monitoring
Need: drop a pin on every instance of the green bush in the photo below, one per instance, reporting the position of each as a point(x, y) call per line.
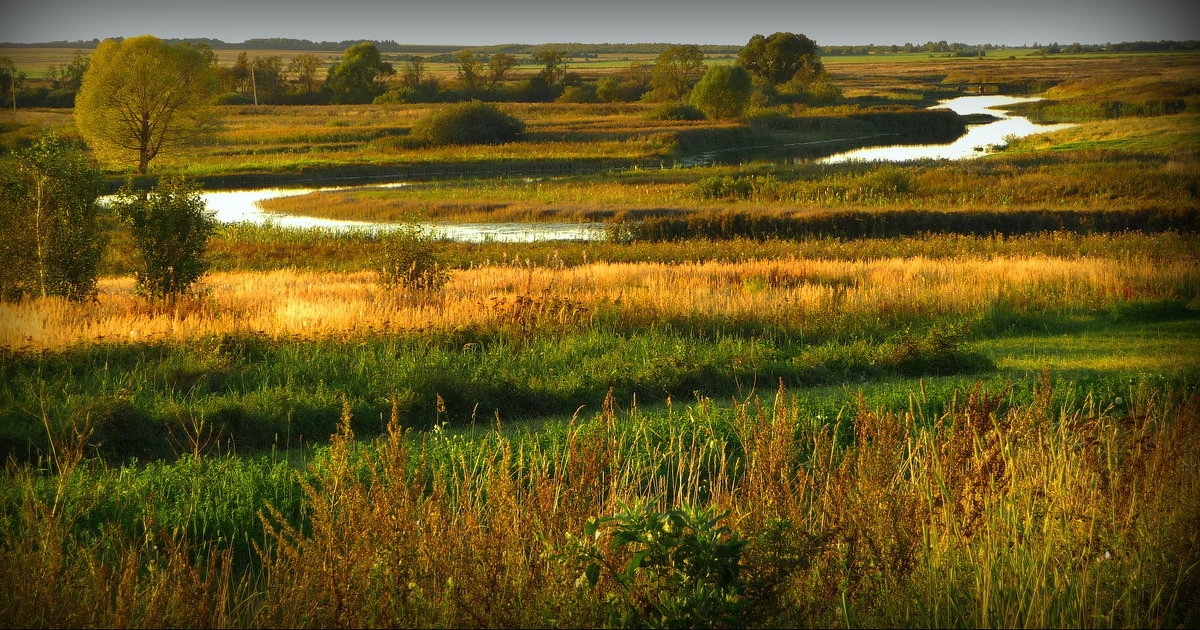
point(170, 228)
point(723, 92)
point(467, 123)
point(675, 111)
point(235, 98)
point(685, 572)
point(408, 260)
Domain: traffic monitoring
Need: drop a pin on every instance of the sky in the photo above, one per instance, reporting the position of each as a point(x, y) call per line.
point(482, 22)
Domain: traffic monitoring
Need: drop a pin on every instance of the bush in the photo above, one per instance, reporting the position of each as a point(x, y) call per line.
point(684, 572)
point(408, 260)
point(467, 123)
point(675, 111)
point(723, 92)
point(576, 94)
point(235, 98)
point(170, 228)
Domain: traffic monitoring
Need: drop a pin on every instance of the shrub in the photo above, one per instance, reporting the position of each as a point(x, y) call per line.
point(576, 94)
point(235, 98)
point(675, 111)
point(467, 123)
point(408, 260)
point(723, 92)
point(685, 572)
point(170, 228)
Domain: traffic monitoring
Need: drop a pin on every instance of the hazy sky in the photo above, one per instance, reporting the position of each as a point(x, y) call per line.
point(477, 22)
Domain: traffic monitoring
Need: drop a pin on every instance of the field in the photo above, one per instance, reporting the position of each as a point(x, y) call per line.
point(778, 394)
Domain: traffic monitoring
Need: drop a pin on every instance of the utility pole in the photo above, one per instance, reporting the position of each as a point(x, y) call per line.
point(254, 86)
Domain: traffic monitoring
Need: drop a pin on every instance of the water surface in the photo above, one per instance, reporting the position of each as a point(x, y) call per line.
point(235, 206)
point(978, 141)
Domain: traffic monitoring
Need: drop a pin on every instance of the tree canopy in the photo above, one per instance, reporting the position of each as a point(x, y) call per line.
point(141, 97)
point(676, 68)
point(357, 78)
point(782, 58)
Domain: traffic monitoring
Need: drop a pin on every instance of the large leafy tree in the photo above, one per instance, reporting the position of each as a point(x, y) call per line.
point(143, 96)
point(357, 78)
point(782, 58)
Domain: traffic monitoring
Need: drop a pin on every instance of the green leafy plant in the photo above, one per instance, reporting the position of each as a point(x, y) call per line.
point(408, 259)
point(170, 228)
point(682, 569)
point(52, 241)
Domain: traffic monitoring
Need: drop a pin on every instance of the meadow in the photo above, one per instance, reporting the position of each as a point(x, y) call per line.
point(777, 394)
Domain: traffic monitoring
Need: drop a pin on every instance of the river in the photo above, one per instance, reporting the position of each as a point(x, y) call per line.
point(236, 206)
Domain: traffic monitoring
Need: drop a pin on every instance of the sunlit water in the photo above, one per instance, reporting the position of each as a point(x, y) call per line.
point(979, 139)
point(242, 206)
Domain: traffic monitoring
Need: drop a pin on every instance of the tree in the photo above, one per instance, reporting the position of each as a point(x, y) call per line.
point(267, 78)
point(553, 62)
point(676, 69)
point(170, 228)
point(782, 58)
point(68, 76)
point(143, 96)
point(52, 243)
point(470, 71)
point(10, 79)
point(499, 65)
point(414, 72)
point(304, 70)
point(723, 92)
point(357, 78)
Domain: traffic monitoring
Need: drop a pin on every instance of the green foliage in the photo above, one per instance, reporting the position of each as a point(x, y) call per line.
point(684, 571)
point(734, 187)
point(723, 92)
point(676, 69)
point(408, 259)
point(675, 111)
point(467, 123)
point(782, 58)
point(52, 242)
point(170, 228)
point(143, 96)
point(356, 78)
point(553, 62)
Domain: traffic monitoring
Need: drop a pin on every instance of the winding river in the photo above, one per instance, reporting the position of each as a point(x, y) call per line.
point(242, 205)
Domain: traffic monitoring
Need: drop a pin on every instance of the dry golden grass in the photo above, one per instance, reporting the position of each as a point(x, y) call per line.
point(803, 294)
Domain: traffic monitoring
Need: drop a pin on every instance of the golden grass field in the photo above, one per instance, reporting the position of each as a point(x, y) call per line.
point(793, 293)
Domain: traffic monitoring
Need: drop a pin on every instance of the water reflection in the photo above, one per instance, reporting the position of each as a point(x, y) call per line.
point(241, 206)
point(979, 139)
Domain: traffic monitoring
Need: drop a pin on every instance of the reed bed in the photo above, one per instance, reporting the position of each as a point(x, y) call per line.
point(794, 294)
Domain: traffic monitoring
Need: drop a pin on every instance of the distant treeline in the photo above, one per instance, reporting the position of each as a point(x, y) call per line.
point(579, 50)
point(391, 46)
point(1159, 46)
